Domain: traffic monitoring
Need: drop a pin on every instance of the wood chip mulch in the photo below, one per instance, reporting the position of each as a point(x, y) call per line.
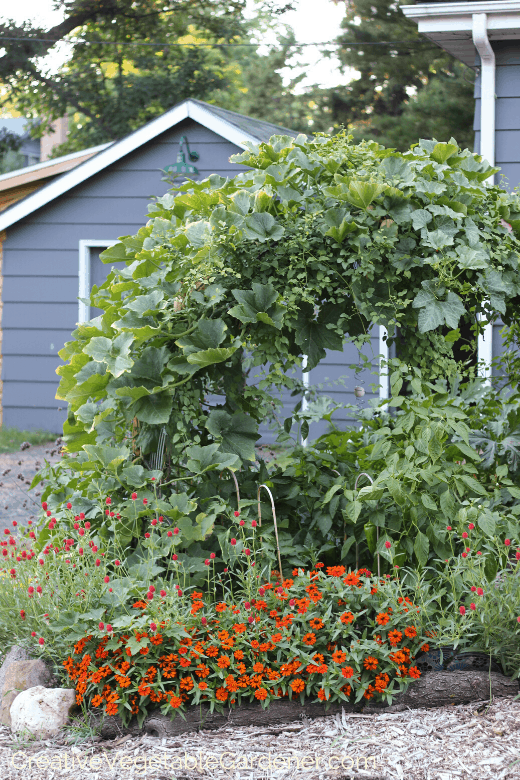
point(466, 742)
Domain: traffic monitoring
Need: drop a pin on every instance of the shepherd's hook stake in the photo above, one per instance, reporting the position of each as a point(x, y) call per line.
point(275, 525)
point(364, 474)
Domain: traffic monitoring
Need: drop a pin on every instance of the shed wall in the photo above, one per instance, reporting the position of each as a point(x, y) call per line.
point(40, 264)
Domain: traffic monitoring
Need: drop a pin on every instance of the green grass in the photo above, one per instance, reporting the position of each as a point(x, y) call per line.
point(12, 438)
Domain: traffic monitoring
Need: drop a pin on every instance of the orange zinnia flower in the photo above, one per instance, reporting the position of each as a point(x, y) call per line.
point(221, 607)
point(338, 656)
point(414, 672)
point(239, 628)
point(298, 685)
point(347, 672)
point(203, 686)
point(370, 662)
point(410, 632)
point(346, 618)
point(221, 694)
point(394, 637)
point(309, 639)
point(351, 579)
point(322, 695)
point(316, 623)
point(335, 571)
point(223, 662)
point(382, 618)
point(261, 694)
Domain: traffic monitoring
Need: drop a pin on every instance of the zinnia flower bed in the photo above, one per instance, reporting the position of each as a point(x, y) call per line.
point(318, 636)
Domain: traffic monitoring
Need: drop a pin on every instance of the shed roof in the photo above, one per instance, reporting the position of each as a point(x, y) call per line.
point(236, 128)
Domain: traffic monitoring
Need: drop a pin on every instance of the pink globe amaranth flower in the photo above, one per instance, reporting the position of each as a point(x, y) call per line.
point(87, 525)
point(292, 602)
point(162, 593)
point(106, 579)
point(44, 506)
point(174, 557)
point(81, 532)
point(236, 514)
point(464, 555)
point(111, 514)
point(48, 513)
point(109, 500)
point(472, 606)
point(204, 621)
point(40, 560)
point(388, 545)
point(69, 505)
point(242, 522)
point(145, 501)
point(30, 590)
point(480, 592)
point(109, 628)
point(154, 522)
point(176, 531)
point(80, 550)
point(133, 496)
point(39, 589)
point(464, 535)
point(98, 562)
point(261, 591)
point(471, 526)
point(94, 548)
point(206, 562)
point(153, 626)
point(169, 533)
point(247, 551)
point(101, 626)
point(233, 542)
point(212, 556)
point(507, 542)
point(247, 605)
point(33, 633)
point(41, 641)
point(81, 515)
point(462, 610)
point(76, 526)
point(448, 527)
point(161, 518)
point(473, 589)
point(250, 619)
point(151, 588)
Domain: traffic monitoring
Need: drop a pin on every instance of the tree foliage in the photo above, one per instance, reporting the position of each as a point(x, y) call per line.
point(404, 90)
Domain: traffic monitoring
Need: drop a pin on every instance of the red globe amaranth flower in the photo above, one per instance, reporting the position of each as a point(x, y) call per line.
point(169, 533)
point(261, 591)
point(247, 551)
point(44, 506)
point(39, 589)
point(151, 588)
point(448, 527)
point(101, 626)
point(69, 505)
point(176, 531)
point(507, 542)
point(206, 562)
point(117, 562)
point(204, 621)
point(147, 536)
point(109, 627)
point(81, 532)
point(33, 633)
point(462, 610)
point(464, 555)
point(145, 501)
point(473, 589)
point(517, 555)
point(479, 553)
point(233, 542)
point(179, 592)
point(236, 514)
point(464, 535)
point(41, 640)
point(153, 627)
point(22, 614)
point(472, 606)
point(106, 579)
point(471, 526)
point(109, 500)
point(480, 592)
point(212, 556)
point(30, 590)
point(250, 619)
point(247, 605)
point(174, 557)
point(242, 522)
point(388, 545)
point(253, 524)
point(292, 602)
point(163, 593)
point(518, 619)
point(97, 562)
point(154, 522)
point(81, 515)
point(87, 525)
point(133, 496)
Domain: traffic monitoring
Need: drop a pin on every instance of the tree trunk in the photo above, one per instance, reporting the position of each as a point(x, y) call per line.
point(434, 689)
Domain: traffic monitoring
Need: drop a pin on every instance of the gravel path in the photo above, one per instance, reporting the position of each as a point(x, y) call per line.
point(17, 470)
point(468, 742)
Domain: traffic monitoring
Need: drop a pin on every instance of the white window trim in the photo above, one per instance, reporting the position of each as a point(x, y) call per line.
point(384, 384)
point(85, 245)
point(485, 352)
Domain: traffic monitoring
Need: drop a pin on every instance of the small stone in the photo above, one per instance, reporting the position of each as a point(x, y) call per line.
point(20, 676)
point(42, 711)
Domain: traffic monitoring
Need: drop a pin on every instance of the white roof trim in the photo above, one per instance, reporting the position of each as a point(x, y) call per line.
point(115, 151)
point(502, 14)
point(55, 161)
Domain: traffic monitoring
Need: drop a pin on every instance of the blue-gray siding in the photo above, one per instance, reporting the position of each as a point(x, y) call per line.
point(507, 134)
point(40, 264)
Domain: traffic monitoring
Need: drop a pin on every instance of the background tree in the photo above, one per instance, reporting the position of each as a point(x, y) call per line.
point(405, 91)
point(122, 79)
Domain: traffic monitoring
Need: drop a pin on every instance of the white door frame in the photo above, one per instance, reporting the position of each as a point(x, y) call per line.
point(85, 245)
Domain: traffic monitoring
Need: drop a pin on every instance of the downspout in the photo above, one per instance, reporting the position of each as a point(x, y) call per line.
point(487, 148)
point(487, 90)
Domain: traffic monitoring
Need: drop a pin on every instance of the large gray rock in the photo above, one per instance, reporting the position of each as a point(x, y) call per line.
point(20, 676)
point(16, 653)
point(42, 711)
